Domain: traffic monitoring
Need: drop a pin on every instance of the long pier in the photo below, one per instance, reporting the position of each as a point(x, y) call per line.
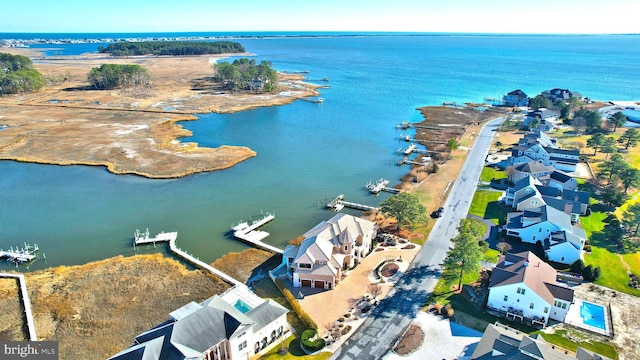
point(19, 255)
point(250, 234)
point(143, 238)
point(338, 203)
point(26, 303)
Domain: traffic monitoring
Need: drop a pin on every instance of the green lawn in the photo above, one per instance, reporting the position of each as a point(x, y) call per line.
point(295, 352)
point(491, 255)
point(558, 339)
point(593, 223)
point(485, 204)
point(490, 173)
point(614, 275)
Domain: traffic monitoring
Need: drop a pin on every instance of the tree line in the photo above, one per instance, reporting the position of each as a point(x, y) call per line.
point(17, 75)
point(171, 48)
point(244, 74)
point(111, 76)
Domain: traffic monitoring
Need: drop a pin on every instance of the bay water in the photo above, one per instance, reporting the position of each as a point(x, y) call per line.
point(307, 153)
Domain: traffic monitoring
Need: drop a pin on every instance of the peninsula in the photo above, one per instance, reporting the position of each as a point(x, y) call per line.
point(129, 132)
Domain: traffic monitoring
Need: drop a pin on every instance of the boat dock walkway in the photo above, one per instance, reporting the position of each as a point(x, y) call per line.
point(171, 237)
point(20, 255)
point(250, 234)
point(338, 203)
point(26, 303)
point(380, 185)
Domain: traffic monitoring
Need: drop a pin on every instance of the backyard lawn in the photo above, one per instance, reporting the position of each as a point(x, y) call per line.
point(491, 173)
point(485, 205)
point(558, 338)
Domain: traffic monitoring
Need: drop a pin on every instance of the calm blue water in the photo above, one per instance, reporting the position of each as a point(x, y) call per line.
point(306, 152)
point(592, 315)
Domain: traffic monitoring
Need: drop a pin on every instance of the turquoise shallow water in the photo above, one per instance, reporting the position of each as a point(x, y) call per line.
point(306, 152)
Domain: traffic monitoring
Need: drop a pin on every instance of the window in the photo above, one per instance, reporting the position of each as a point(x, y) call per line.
point(521, 291)
point(506, 298)
point(242, 345)
point(564, 305)
point(539, 229)
point(546, 309)
point(531, 306)
point(305, 266)
point(320, 262)
point(346, 248)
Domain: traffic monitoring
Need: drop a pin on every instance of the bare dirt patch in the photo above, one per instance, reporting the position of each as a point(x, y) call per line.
point(129, 132)
point(114, 299)
point(410, 341)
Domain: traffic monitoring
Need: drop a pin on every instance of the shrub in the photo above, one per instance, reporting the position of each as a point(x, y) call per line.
point(591, 273)
point(311, 345)
point(366, 309)
point(304, 317)
point(346, 330)
point(577, 266)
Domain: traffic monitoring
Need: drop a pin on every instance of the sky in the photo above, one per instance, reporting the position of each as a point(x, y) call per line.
point(466, 16)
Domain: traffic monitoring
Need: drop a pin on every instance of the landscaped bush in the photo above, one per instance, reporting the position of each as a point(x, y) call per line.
point(304, 317)
point(366, 309)
point(311, 345)
point(346, 330)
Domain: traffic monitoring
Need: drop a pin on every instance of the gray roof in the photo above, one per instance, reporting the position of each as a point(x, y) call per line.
point(561, 205)
point(502, 342)
point(533, 167)
point(576, 195)
point(266, 313)
point(561, 292)
point(560, 176)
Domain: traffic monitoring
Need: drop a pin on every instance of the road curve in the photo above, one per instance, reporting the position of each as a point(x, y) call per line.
point(394, 314)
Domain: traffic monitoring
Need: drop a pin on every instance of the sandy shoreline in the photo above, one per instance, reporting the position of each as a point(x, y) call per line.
point(128, 133)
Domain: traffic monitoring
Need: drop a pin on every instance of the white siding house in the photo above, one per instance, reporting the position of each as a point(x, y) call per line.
point(524, 287)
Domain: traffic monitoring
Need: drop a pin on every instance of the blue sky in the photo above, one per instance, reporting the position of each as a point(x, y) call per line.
point(492, 16)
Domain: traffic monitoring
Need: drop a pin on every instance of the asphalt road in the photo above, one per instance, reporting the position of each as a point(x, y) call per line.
point(394, 314)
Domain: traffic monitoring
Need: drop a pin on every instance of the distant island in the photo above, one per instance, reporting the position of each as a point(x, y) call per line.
point(178, 48)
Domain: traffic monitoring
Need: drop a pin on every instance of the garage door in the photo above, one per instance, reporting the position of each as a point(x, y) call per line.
point(319, 284)
point(306, 283)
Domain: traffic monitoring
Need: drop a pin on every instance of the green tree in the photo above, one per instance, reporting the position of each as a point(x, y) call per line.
point(595, 141)
point(539, 102)
point(593, 120)
point(630, 177)
point(465, 254)
point(613, 166)
point(111, 76)
point(616, 120)
point(406, 209)
point(17, 75)
point(630, 138)
point(609, 145)
point(452, 144)
point(613, 196)
point(631, 217)
point(534, 123)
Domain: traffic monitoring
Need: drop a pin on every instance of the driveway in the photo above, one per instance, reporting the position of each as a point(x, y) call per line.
point(395, 313)
point(443, 339)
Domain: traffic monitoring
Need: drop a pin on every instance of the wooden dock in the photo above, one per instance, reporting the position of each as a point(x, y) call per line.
point(26, 303)
point(338, 203)
point(250, 234)
point(171, 237)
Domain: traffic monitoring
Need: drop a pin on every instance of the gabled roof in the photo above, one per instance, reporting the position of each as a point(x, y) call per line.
point(527, 181)
point(560, 292)
point(266, 313)
point(526, 268)
point(539, 214)
point(548, 190)
point(518, 93)
point(533, 167)
point(576, 195)
point(562, 205)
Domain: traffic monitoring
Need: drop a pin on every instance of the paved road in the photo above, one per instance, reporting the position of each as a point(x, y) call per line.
point(394, 314)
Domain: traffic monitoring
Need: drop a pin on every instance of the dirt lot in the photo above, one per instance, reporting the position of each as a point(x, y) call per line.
point(114, 299)
point(129, 132)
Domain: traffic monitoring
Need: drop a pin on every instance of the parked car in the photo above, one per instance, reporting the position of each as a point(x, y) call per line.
point(437, 213)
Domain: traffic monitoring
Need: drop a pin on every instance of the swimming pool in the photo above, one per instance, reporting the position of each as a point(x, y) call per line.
point(242, 306)
point(592, 314)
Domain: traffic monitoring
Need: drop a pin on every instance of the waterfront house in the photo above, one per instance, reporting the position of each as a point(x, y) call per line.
point(564, 95)
point(560, 159)
point(502, 342)
point(524, 287)
point(234, 325)
point(516, 98)
point(328, 249)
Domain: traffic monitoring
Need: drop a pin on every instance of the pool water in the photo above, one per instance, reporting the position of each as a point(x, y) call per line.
point(242, 306)
point(592, 315)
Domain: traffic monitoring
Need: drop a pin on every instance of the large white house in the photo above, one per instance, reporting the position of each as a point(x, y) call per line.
point(524, 287)
point(516, 98)
point(235, 325)
point(543, 224)
point(332, 246)
point(537, 148)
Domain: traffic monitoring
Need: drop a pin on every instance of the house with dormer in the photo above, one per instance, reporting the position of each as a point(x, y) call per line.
point(543, 225)
point(328, 249)
point(561, 94)
point(234, 325)
point(530, 168)
point(516, 98)
point(524, 287)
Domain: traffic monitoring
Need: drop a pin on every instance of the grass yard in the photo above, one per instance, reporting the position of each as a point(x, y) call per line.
point(491, 173)
point(598, 347)
point(491, 255)
point(295, 352)
point(485, 204)
point(614, 274)
point(593, 223)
